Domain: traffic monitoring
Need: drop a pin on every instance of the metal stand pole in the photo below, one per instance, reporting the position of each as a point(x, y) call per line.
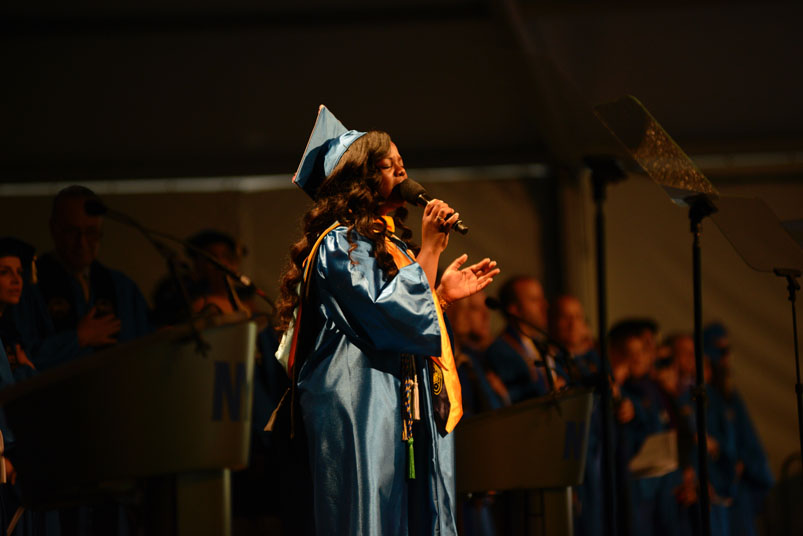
point(793, 286)
point(604, 171)
point(699, 208)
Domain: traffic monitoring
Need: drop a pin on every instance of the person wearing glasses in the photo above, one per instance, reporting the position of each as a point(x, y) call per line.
point(90, 305)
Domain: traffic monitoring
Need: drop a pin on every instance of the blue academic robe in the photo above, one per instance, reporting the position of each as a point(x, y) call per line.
point(6, 380)
point(590, 493)
point(478, 395)
point(350, 395)
point(48, 347)
point(721, 470)
point(755, 481)
point(653, 505)
point(509, 363)
point(32, 523)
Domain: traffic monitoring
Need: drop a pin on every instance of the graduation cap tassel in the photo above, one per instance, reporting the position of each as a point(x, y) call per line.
point(408, 365)
point(410, 459)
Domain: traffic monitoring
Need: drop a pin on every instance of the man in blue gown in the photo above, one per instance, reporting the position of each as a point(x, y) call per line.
point(569, 327)
point(514, 356)
point(88, 305)
point(80, 306)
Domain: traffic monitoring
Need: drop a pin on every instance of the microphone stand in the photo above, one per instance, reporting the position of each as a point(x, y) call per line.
point(544, 363)
point(243, 279)
point(793, 286)
point(604, 170)
point(544, 350)
point(240, 278)
point(201, 346)
point(564, 355)
point(700, 206)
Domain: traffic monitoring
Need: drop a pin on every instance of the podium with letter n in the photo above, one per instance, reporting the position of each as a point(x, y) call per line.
point(538, 444)
point(163, 418)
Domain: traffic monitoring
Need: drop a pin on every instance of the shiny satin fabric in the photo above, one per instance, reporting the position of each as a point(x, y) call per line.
point(351, 399)
point(449, 401)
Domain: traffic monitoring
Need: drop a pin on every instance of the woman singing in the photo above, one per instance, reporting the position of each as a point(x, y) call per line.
point(376, 381)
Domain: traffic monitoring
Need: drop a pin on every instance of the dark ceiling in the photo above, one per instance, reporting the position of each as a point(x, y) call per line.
point(174, 89)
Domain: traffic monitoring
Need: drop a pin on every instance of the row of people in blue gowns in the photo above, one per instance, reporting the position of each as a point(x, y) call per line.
point(740, 476)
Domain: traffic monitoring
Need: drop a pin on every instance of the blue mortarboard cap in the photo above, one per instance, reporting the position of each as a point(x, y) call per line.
point(326, 145)
point(712, 347)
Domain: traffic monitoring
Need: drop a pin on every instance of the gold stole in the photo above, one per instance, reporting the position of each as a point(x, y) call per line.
point(446, 362)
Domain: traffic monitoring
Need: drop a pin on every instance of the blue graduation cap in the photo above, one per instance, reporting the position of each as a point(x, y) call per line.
point(327, 143)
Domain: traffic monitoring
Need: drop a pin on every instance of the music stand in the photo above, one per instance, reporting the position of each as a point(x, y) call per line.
point(666, 164)
point(761, 241)
point(539, 443)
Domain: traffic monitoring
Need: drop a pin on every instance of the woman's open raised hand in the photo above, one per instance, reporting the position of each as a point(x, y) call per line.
point(457, 283)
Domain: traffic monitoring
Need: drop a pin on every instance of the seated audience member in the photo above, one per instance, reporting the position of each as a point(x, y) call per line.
point(90, 305)
point(515, 355)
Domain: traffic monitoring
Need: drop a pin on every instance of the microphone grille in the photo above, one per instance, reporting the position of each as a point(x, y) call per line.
point(409, 190)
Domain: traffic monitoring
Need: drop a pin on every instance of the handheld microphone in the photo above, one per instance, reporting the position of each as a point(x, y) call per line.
point(415, 194)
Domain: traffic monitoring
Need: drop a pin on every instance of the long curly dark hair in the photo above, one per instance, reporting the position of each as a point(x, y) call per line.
point(350, 195)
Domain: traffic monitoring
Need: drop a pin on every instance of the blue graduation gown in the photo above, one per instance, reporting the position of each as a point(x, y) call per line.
point(511, 367)
point(653, 505)
point(6, 380)
point(350, 394)
point(478, 395)
point(751, 487)
point(32, 523)
point(721, 471)
point(48, 348)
